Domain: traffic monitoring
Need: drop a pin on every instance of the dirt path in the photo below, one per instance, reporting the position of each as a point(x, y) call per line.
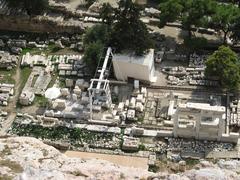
point(128, 161)
point(11, 108)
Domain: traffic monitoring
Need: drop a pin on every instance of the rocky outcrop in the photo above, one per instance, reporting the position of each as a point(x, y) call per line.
point(29, 159)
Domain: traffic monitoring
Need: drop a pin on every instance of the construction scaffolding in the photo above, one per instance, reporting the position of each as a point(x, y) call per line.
point(99, 90)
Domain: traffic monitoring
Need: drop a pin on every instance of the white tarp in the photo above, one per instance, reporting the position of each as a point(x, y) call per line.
point(52, 93)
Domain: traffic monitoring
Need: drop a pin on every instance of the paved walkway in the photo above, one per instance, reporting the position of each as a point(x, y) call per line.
point(128, 161)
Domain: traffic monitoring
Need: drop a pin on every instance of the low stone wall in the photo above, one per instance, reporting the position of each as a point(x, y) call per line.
point(37, 24)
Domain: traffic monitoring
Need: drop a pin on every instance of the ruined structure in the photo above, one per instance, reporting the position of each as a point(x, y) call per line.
point(8, 61)
point(18, 20)
point(202, 121)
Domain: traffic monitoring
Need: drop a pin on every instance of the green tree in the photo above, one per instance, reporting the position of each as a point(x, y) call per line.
point(191, 13)
point(95, 39)
point(225, 64)
point(224, 19)
point(97, 33)
point(107, 14)
point(235, 36)
point(89, 3)
point(170, 11)
point(128, 31)
point(92, 55)
point(195, 44)
point(33, 7)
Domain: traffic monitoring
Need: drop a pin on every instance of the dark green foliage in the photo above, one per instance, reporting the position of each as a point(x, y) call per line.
point(170, 11)
point(33, 7)
point(98, 33)
point(191, 13)
point(153, 168)
point(92, 54)
point(195, 43)
point(89, 3)
point(224, 19)
point(75, 136)
point(94, 41)
point(128, 31)
point(225, 64)
point(107, 14)
point(202, 13)
point(141, 147)
point(122, 31)
point(236, 31)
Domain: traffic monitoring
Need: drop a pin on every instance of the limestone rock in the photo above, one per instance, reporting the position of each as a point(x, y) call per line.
point(25, 158)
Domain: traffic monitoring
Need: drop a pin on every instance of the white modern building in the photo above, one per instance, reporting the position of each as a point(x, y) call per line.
point(136, 67)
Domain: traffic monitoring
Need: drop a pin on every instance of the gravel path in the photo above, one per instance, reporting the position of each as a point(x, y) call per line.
point(11, 108)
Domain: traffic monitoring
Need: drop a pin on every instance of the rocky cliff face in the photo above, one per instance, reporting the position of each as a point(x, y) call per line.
point(29, 159)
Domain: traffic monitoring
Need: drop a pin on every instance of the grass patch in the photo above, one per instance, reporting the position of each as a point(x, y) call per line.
point(191, 162)
point(41, 101)
point(62, 83)
point(25, 73)
point(53, 80)
point(153, 168)
point(52, 48)
point(6, 76)
point(141, 147)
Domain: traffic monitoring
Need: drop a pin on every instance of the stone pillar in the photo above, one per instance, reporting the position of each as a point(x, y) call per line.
point(175, 123)
point(198, 124)
point(221, 126)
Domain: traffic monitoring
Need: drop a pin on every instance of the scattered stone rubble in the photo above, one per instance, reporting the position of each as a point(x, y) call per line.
point(6, 91)
point(132, 109)
point(195, 147)
point(191, 75)
point(71, 65)
point(34, 60)
point(3, 116)
point(235, 113)
point(130, 143)
point(8, 61)
point(197, 60)
point(187, 76)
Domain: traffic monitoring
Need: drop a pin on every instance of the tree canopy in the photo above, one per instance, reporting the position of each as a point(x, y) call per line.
point(122, 29)
point(235, 36)
point(191, 13)
point(224, 19)
point(107, 14)
point(225, 64)
point(127, 31)
point(95, 39)
point(33, 7)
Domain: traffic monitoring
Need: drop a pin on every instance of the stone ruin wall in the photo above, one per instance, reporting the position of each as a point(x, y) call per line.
point(28, 24)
